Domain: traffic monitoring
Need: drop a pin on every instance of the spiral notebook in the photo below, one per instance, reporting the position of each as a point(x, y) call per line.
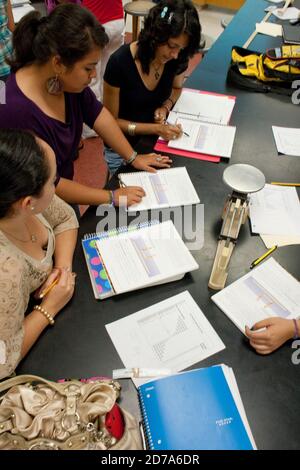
point(170, 187)
point(135, 257)
point(199, 409)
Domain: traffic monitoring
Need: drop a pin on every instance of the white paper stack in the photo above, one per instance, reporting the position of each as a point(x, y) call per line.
point(275, 215)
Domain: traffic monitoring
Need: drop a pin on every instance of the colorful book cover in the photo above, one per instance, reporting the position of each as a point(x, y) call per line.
point(194, 410)
point(100, 282)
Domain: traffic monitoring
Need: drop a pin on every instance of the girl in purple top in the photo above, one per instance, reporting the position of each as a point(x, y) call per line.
point(54, 61)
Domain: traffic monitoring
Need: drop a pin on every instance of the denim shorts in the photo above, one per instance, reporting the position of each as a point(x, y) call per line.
point(113, 160)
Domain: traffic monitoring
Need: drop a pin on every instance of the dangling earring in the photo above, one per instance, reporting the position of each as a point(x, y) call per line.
point(54, 85)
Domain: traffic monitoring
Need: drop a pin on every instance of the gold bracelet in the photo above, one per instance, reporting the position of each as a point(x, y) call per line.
point(45, 313)
point(131, 128)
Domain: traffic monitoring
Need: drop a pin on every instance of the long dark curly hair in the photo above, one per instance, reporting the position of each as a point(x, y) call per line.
point(169, 19)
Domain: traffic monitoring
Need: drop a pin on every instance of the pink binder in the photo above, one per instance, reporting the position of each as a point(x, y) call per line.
point(162, 145)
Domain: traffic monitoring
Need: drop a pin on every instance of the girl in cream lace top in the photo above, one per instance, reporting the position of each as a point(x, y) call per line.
point(29, 242)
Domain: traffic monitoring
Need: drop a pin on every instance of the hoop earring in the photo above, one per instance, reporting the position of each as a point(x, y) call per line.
point(54, 85)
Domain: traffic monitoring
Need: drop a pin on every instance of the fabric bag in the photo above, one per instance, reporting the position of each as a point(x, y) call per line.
point(37, 414)
point(273, 71)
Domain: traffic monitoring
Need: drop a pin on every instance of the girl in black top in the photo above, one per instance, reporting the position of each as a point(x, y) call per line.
point(143, 80)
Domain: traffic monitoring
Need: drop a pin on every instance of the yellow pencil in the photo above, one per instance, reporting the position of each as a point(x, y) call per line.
point(261, 258)
point(285, 184)
point(48, 289)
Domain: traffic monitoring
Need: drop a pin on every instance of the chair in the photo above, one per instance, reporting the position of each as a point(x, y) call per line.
point(137, 8)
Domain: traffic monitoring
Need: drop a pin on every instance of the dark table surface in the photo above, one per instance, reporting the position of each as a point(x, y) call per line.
point(79, 346)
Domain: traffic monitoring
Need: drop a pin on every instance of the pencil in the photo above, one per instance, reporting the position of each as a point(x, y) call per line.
point(48, 289)
point(285, 184)
point(264, 256)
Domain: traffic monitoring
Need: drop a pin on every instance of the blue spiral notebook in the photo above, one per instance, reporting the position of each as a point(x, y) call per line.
point(194, 410)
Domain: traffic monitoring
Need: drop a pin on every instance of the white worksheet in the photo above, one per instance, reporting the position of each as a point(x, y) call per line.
point(287, 140)
point(172, 334)
point(166, 188)
point(275, 210)
point(266, 291)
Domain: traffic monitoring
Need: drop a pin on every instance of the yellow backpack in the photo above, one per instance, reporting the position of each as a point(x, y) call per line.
point(274, 70)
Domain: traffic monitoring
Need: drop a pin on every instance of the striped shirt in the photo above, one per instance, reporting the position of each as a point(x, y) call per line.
point(5, 40)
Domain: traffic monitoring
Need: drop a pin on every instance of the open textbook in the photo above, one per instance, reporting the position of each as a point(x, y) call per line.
point(195, 107)
point(200, 409)
point(204, 118)
point(134, 257)
point(266, 291)
point(165, 188)
point(173, 334)
point(202, 137)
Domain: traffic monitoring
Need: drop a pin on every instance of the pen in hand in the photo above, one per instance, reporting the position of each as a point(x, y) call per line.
point(264, 256)
point(176, 124)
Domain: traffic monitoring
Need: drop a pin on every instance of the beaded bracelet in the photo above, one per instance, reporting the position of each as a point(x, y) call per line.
point(45, 313)
point(172, 102)
point(166, 107)
point(113, 201)
point(110, 195)
point(296, 335)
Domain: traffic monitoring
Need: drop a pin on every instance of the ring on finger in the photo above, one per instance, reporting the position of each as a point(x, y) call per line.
point(158, 159)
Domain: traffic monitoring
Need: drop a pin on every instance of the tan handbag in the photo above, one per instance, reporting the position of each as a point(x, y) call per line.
point(37, 414)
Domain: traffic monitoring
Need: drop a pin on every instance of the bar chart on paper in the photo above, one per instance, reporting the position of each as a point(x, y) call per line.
point(172, 334)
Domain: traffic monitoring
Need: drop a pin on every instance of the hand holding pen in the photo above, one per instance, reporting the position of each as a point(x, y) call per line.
point(52, 281)
point(48, 285)
point(56, 292)
point(169, 131)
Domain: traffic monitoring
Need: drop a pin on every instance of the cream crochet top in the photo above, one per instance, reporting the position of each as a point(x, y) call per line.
point(20, 276)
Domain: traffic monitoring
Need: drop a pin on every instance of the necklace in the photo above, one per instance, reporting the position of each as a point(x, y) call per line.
point(156, 71)
point(32, 236)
